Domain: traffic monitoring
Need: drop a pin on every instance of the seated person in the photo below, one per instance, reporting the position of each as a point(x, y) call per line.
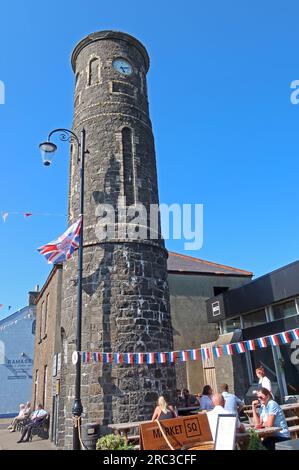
point(179, 399)
point(205, 400)
point(271, 415)
point(188, 399)
point(233, 404)
point(27, 409)
point(163, 410)
point(36, 418)
point(21, 416)
point(218, 403)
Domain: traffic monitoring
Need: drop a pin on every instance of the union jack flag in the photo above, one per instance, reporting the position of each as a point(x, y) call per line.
point(62, 249)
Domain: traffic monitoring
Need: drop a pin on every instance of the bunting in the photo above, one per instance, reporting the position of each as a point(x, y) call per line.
point(161, 358)
point(194, 354)
point(172, 356)
point(205, 354)
point(150, 359)
point(282, 338)
point(26, 215)
point(240, 348)
point(183, 356)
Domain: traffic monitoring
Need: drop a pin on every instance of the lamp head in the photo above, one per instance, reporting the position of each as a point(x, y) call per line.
point(48, 150)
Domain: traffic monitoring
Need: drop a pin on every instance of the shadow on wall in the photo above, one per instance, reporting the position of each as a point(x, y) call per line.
point(101, 278)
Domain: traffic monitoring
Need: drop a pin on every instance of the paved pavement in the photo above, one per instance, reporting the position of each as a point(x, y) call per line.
point(8, 440)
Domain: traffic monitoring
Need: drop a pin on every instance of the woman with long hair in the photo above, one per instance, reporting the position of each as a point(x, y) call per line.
point(163, 410)
point(271, 415)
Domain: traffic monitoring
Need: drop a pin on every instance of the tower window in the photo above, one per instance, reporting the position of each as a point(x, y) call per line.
point(94, 72)
point(128, 167)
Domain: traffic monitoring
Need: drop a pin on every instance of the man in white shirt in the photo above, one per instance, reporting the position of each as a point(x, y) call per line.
point(233, 404)
point(218, 402)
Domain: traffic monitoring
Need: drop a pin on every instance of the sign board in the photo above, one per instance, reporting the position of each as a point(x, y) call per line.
point(56, 387)
point(185, 430)
point(216, 308)
point(226, 432)
point(54, 370)
point(58, 362)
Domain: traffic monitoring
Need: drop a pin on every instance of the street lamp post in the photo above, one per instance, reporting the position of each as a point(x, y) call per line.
point(48, 148)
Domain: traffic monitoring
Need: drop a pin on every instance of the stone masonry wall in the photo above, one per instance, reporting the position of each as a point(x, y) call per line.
point(125, 287)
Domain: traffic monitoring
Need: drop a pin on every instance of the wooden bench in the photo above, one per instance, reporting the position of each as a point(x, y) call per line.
point(290, 419)
point(294, 430)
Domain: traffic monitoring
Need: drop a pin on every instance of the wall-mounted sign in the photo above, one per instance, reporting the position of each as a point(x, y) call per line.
point(58, 362)
point(75, 357)
point(216, 308)
point(54, 370)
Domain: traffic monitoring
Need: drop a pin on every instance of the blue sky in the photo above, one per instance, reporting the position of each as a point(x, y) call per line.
point(226, 132)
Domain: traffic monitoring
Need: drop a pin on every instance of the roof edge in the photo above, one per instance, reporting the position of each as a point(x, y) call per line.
point(241, 272)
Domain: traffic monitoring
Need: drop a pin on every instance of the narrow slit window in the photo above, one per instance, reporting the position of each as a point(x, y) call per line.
point(127, 146)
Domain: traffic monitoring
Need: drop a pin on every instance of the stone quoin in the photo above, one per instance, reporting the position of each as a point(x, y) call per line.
point(125, 286)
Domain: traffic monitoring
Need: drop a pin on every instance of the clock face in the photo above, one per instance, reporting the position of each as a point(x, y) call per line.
point(122, 66)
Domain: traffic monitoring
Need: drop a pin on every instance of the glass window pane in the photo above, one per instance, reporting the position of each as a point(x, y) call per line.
point(254, 318)
point(287, 309)
point(233, 324)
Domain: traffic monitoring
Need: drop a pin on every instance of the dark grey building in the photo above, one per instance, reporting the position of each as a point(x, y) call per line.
point(125, 288)
point(262, 307)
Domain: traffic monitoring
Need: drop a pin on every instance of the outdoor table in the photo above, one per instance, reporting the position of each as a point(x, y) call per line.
point(123, 429)
point(189, 409)
point(242, 438)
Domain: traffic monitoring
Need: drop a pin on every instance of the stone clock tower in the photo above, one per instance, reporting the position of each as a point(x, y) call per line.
point(125, 288)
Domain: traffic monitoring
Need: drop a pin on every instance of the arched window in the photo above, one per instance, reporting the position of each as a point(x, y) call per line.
point(94, 72)
point(128, 166)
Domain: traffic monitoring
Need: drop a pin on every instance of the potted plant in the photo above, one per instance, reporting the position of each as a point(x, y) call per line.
point(113, 442)
point(254, 441)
